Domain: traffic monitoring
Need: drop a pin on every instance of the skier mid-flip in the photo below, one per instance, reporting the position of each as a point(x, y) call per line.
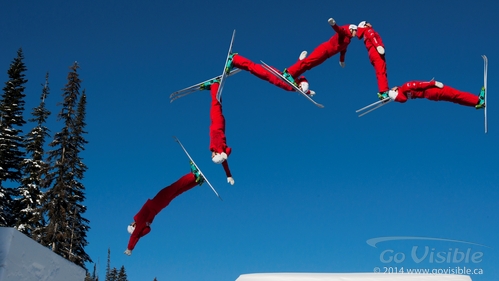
point(376, 53)
point(338, 43)
point(142, 221)
point(218, 141)
point(436, 91)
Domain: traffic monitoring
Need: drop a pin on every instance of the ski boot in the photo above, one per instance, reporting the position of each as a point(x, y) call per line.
point(229, 65)
point(288, 77)
point(195, 171)
point(383, 95)
point(481, 99)
point(207, 85)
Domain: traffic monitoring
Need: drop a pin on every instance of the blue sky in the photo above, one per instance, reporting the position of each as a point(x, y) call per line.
point(312, 185)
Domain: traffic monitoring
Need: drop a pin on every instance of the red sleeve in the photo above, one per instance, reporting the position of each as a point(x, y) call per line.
point(342, 55)
point(417, 86)
point(341, 30)
point(225, 164)
point(372, 37)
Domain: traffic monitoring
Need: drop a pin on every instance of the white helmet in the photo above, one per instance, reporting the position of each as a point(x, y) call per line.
point(130, 228)
point(352, 26)
point(219, 158)
point(362, 24)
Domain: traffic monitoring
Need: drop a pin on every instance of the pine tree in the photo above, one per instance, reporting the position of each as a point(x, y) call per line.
point(30, 218)
point(11, 140)
point(122, 274)
point(66, 229)
point(108, 264)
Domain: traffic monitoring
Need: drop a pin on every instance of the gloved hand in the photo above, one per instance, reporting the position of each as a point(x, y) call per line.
point(342, 63)
point(128, 252)
point(331, 21)
point(439, 84)
point(230, 180)
point(380, 50)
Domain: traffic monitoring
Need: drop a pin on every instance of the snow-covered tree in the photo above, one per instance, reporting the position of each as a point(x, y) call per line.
point(30, 219)
point(11, 138)
point(66, 228)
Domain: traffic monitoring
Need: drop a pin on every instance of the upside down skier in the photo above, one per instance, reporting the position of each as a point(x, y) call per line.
point(376, 53)
point(436, 91)
point(338, 43)
point(142, 221)
point(218, 141)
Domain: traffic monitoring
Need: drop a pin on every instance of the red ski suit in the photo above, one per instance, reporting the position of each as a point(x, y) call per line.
point(218, 141)
point(152, 207)
point(259, 71)
point(338, 43)
point(428, 90)
point(372, 40)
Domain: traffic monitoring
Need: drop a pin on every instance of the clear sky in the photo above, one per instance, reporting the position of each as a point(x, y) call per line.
point(312, 185)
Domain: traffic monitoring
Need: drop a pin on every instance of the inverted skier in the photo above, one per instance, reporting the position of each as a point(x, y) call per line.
point(218, 141)
point(436, 91)
point(142, 221)
point(236, 60)
point(376, 52)
point(338, 43)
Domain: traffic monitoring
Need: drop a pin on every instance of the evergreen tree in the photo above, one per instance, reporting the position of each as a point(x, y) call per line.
point(30, 218)
point(113, 274)
point(108, 264)
point(122, 274)
point(66, 228)
point(11, 140)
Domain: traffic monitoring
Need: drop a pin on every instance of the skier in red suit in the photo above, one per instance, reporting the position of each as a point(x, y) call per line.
point(436, 91)
point(142, 221)
point(338, 43)
point(218, 142)
point(376, 53)
point(236, 60)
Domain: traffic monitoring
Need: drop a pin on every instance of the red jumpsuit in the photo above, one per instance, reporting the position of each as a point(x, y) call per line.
point(372, 40)
point(338, 43)
point(218, 141)
point(428, 90)
point(152, 207)
point(259, 71)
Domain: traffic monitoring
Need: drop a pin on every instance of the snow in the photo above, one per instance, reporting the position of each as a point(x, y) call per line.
point(23, 259)
point(351, 277)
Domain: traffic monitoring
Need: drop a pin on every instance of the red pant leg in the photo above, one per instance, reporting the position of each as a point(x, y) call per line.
point(167, 194)
point(259, 71)
point(318, 56)
point(379, 63)
point(450, 94)
point(218, 141)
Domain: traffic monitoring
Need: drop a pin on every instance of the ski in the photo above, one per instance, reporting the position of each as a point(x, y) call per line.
point(225, 72)
point(373, 106)
point(196, 87)
point(485, 67)
point(194, 163)
point(279, 75)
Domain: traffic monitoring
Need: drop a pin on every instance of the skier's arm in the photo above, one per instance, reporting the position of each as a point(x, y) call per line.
point(371, 36)
point(225, 165)
point(342, 56)
point(420, 86)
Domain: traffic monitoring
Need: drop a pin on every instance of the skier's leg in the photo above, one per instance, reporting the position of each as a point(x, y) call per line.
point(259, 71)
point(167, 194)
point(453, 95)
point(317, 57)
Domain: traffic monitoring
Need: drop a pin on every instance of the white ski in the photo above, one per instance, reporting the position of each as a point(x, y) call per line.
point(373, 106)
point(279, 75)
point(485, 67)
point(225, 73)
point(196, 87)
point(194, 163)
